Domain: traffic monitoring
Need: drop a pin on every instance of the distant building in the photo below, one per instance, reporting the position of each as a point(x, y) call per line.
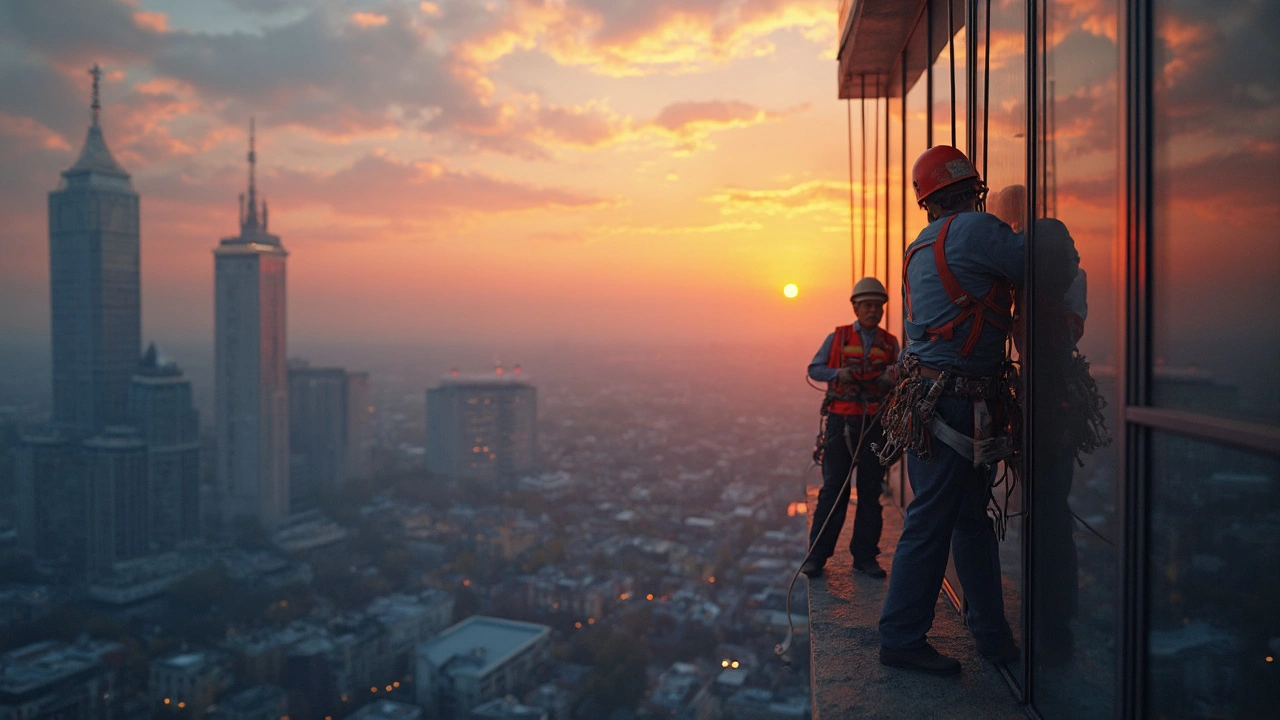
point(161, 408)
point(506, 708)
point(683, 692)
point(329, 438)
point(482, 427)
point(95, 287)
point(387, 710)
point(52, 680)
point(50, 498)
point(250, 382)
point(479, 659)
point(188, 681)
point(261, 702)
point(117, 501)
point(359, 429)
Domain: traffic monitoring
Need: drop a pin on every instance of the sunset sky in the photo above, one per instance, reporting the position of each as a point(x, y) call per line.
point(454, 170)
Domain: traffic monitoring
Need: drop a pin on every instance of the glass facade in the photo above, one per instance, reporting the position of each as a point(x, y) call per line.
point(1139, 561)
point(1217, 166)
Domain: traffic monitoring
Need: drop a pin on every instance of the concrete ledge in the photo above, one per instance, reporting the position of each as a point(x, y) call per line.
point(848, 680)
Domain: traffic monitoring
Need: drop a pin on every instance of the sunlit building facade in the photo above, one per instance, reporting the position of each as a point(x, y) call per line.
point(1145, 574)
point(250, 382)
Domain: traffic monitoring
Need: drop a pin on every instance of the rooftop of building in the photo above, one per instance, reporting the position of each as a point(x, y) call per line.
point(387, 710)
point(40, 664)
point(500, 377)
point(506, 709)
point(480, 643)
point(154, 365)
point(844, 644)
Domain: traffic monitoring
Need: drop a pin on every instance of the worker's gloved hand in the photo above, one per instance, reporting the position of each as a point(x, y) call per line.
point(886, 381)
point(845, 375)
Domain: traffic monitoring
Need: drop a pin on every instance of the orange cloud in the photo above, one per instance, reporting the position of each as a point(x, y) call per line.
point(814, 196)
point(368, 19)
point(31, 131)
point(156, 22)
point(628, 40)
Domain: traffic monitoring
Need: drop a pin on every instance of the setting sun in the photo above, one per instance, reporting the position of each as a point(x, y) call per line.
point(790, 290)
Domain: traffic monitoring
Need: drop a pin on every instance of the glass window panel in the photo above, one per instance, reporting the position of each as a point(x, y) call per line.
point(1215, 261)
point(917, 109)
point(1214, 632)
point(1075, 510)
point(1005, 165)
point(916, 139)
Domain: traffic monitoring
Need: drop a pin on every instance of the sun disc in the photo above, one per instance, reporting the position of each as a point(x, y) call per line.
point(790, 290)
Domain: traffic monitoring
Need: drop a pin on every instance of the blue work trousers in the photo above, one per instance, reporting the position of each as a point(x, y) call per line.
point(948, 512)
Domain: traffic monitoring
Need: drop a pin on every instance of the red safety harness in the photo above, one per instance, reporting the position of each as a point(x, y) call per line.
point(999, 301)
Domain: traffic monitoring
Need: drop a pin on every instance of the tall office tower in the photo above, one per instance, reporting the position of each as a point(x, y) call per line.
point(250, 382)
point(482, 427)
point(317, 432)
point(118, 513)
point(50, 498)
point(94, 287)
point(161, 408)
point(359, 430)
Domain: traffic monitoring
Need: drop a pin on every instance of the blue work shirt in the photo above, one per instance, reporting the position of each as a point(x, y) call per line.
point(818, 369)
point(980, 250)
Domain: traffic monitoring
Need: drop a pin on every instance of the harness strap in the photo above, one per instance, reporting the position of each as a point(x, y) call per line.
point(961, 299)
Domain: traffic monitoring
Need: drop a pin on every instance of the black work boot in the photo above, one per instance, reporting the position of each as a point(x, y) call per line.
point(1004, 653)
point(870, 568)
point(922, 659)
point(813, 567)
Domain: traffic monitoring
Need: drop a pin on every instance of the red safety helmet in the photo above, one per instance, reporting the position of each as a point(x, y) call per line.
point(938, 167)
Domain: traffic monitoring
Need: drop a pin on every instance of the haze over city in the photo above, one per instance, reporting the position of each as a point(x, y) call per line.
point(446, 172)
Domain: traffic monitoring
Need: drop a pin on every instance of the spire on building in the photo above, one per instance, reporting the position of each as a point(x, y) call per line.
point(249, 217)
point(96, 72)
point(94, 156)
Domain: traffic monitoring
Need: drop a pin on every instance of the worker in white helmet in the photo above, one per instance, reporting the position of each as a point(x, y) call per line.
point(854, 361)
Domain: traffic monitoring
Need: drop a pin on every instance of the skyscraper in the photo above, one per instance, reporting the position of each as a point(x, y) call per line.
point(329, 436)
point(481, 427)
point(160, 407)
point(94, 286)
point(250, 382)
point(119, 509)
point(317, 432)
point(50, 498)
point(359, 432)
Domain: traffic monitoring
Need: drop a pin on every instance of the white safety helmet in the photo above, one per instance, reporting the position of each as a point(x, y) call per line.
point(867, 288)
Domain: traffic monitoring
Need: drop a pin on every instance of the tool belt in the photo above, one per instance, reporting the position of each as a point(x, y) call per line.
point(911, 422)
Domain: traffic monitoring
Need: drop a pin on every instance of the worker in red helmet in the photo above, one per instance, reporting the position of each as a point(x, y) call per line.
point(853, 361)
point(952, 409)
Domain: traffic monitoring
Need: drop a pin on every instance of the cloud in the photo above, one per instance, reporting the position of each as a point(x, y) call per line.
point(640, 38)
point(814, 196)
point(80, 32)
point(381, 186)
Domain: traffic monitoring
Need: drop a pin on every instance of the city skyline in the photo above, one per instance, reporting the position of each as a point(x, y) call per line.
point(472, 176)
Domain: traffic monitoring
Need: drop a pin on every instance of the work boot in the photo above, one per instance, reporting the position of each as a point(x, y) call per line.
point(812, 567)
point(1004, 653)
point(870, 568)
point(922, 659)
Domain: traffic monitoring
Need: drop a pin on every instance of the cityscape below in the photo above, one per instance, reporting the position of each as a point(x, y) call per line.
point(237, 532)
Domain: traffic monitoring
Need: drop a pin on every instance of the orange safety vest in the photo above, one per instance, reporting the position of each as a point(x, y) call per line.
point(867, 364)
point(999, 300)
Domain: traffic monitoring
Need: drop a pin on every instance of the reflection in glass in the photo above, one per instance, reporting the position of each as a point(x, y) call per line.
point(1074, 523)
point(1005, 165)
point(1214, 632)
point(1217, 170)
